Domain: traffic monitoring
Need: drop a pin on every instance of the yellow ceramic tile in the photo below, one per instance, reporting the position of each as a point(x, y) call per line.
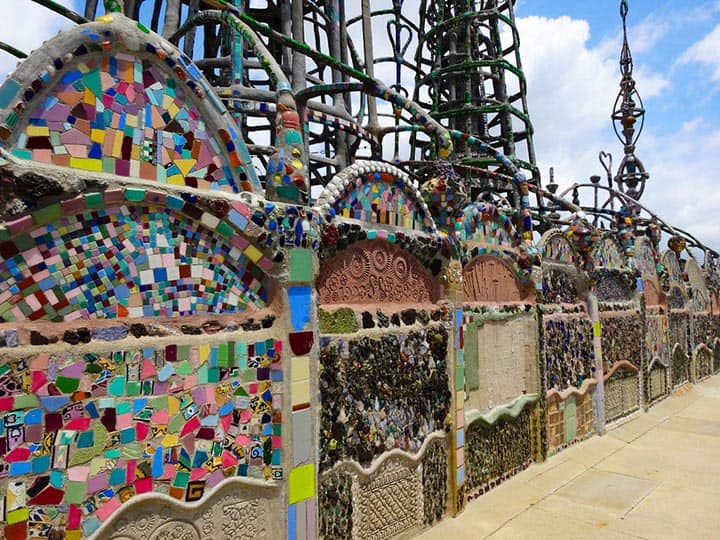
point(301, 484)
point(300, 368)
point(253, 253)
point(300, 392)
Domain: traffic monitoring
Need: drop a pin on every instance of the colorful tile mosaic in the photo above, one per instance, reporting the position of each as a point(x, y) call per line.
point(608, 253)
point(127, 261)
point(379, 198)
point(83, 433)
point(486, 224)
point(122, 115)
point(556, 247)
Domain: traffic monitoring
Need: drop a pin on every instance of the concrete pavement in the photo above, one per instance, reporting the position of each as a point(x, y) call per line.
point(655, 476)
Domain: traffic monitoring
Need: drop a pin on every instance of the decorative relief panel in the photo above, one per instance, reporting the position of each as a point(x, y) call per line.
point(621, 394)
point(374, 271)
point(390, 503)
point(488, 279)
point(657, 383)
point(224, 516)
point(680, 367)
point(703, 363)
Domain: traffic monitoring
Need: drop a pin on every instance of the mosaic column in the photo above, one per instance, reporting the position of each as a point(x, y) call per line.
point(303, 359)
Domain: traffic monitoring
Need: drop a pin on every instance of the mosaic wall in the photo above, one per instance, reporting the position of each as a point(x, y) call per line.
point(622, 393)
point(680, 367)
point(435, 482)
point(621, 338)
point(123, 115)
point(83, 433)
point(496, 452)
point(614, 285)
point(568, 352)
point(569, 420)
point(705, 328)
point(336, 507)
point(703, 363)
point(558, 287)
point(126, 261)
point(380, 394)
point(656, 345)
point(678, 330)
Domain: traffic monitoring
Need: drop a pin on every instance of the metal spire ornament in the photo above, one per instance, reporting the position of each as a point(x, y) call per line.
point(628, 120)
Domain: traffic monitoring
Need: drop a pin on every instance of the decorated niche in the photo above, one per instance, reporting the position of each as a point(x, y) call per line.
point(646, 263)
point(680, 366)
point(608, 253)
point(556, 247)
point(376, 193)
point(130, 261)
point(491, 279)
point(622, 391)
point(702, 362)
point(656, 381)
point(561, 279)
point(614, 280)
point(700, 295)
point(133, 107)
point(373, 272)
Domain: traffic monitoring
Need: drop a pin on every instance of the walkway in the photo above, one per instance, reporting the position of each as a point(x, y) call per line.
point(655, 476)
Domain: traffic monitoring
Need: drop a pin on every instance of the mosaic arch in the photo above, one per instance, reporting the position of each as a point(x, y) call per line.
point(700, 292)
point(376, 193)
point(556, 247)
point(645, 262)
point(677, 295)
point(127, 259)
point(113, 97)
point(487, 225)
point(608, 253)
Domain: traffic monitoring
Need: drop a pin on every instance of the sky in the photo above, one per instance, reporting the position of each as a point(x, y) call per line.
point(570, 52)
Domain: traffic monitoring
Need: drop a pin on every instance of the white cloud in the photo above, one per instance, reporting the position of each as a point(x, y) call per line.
point(705, 52)
point(571, 91)
point(26, 25)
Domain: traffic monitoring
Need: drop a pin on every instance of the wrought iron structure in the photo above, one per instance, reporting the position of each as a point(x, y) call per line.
point(437, 90)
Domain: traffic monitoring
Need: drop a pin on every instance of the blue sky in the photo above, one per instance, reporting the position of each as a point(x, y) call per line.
point(570, 52)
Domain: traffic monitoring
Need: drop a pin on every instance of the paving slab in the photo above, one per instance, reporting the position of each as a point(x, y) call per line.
point(652, 476)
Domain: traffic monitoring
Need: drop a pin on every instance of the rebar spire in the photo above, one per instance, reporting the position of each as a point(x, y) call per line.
point(627, 112)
